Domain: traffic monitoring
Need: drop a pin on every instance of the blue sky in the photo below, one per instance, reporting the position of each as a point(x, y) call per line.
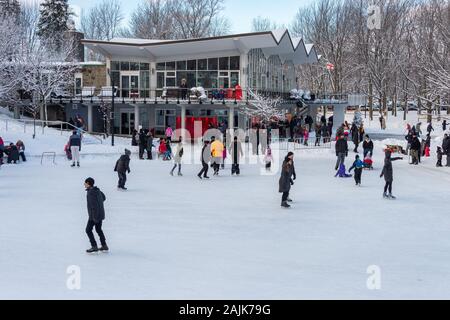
point(240, 12)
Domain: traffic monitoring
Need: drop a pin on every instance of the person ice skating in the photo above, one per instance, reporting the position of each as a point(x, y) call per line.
point(318, 130)
point(205, 157)
point(13, 153)
point(96, 212)
point(21, 149)
point(268, 158)
point(286, 180)
point(367, 146)
point(444, 125)
point(439, 154)
point(217, 154)
point(169, 133)
point(358, 165)
point(177, 158)
point(236, 154)
point(2, 149)
point(388, 174)
point(355, 137)
point(169, 153)
point(75, 148)
point(446, 148)
point(341, 151)
point(122, 167)
point(430, 128)
point(306, 136)
point(134, 138)
point(142, 143)
point(415, 150)
point(342, 172)
point(162, 149)
point(149, 145)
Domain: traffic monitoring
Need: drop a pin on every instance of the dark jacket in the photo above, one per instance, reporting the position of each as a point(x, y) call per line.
point(123, 164)
point(388, 171)
point(416, 145)
point(446, 146)
point(149, 143)
point(142, 139)
point(368, 145)
point(75, 141)
point(287, 172)
point(13, 153)
point(341, 146)
point(355, 134)
point(95, 199)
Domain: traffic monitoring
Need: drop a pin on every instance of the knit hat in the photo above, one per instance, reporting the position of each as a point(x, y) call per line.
point(127, 152)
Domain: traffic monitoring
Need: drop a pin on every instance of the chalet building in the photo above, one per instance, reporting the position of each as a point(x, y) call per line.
point(153, 80)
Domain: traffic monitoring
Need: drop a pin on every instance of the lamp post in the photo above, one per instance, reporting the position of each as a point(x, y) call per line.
point(112, 113)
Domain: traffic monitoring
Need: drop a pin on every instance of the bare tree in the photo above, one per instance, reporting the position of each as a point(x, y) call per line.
point(263, 24)
point(195, 18)
point(153, 19)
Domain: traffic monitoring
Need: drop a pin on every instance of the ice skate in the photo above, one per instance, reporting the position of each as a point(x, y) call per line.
point(284, 204)
point(104, 249)
point(92, 250)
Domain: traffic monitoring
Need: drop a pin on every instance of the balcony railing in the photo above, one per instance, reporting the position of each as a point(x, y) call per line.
point(169, 96)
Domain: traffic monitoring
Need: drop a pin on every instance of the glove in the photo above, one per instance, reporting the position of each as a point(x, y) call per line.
point(292, 182)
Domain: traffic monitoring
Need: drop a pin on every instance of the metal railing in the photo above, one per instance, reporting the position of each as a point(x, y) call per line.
point(48, 124)
point(171, 95)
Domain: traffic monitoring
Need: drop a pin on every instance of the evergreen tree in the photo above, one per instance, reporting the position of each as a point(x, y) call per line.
point(9, 9)
point(53, 19)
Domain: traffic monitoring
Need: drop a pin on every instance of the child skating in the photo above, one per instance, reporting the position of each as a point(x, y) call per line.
point(388, 174)
point(358, 165)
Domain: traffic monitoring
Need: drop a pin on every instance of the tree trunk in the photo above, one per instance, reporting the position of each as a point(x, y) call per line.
point(370, 100)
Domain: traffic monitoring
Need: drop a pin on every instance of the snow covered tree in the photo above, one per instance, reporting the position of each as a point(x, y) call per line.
point(54, 18)
point(264, 108)
point(9, 9)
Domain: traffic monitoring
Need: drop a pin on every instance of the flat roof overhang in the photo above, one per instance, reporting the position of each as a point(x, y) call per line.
point(277, 42)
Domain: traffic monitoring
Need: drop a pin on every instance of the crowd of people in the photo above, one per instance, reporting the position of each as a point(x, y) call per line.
point(13, 152)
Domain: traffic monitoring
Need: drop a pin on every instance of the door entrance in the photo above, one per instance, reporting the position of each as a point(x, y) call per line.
point(127, 123)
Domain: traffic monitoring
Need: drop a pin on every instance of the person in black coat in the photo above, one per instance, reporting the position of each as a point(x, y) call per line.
point(236, 154)
point(134, 139)
point(355, 136)
point(444, 125)
point(368, 146)
point(439, 154)
point(286, 179)
point(205, 158)
point(13, 153)
point(416, 147)
point(430, 128)
point(184, 89)
point(96, 212)
point(446, 148)
point(142, 143)
point(122, 167)
point(149, 145)
point(341, 151)
point(388, 174)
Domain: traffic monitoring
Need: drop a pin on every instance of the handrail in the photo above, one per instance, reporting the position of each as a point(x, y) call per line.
point(50, 122)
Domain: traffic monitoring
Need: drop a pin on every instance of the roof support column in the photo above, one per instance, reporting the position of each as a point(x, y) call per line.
point(183, 122)
point(231, 121)
point(244, 74)
point(90, 119)
point(136, 117)
point(153, 80)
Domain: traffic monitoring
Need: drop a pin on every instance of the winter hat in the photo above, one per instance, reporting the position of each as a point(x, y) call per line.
point(127, 152)
point(357, 157)
point(90, 181)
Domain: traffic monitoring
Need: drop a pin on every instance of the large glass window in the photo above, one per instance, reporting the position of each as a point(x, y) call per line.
point(213, 64)
point(145, 66)
point(170, 65)
point(203, 64)
point(224, 63)
point(124, 66)
point(134, 66)
point(160, 80)
point(181, 65)
point(235, 63)
point(161, 66)
point(192, 65)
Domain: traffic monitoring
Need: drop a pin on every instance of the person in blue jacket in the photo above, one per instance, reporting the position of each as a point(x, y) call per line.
point(358, 165)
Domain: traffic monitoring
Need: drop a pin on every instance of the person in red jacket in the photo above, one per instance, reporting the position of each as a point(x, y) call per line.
point(162, 147)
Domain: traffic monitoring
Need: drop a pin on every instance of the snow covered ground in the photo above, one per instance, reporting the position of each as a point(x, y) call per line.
point(181, 238)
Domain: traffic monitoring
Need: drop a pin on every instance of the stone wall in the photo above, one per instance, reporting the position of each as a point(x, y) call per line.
point(94, 76)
